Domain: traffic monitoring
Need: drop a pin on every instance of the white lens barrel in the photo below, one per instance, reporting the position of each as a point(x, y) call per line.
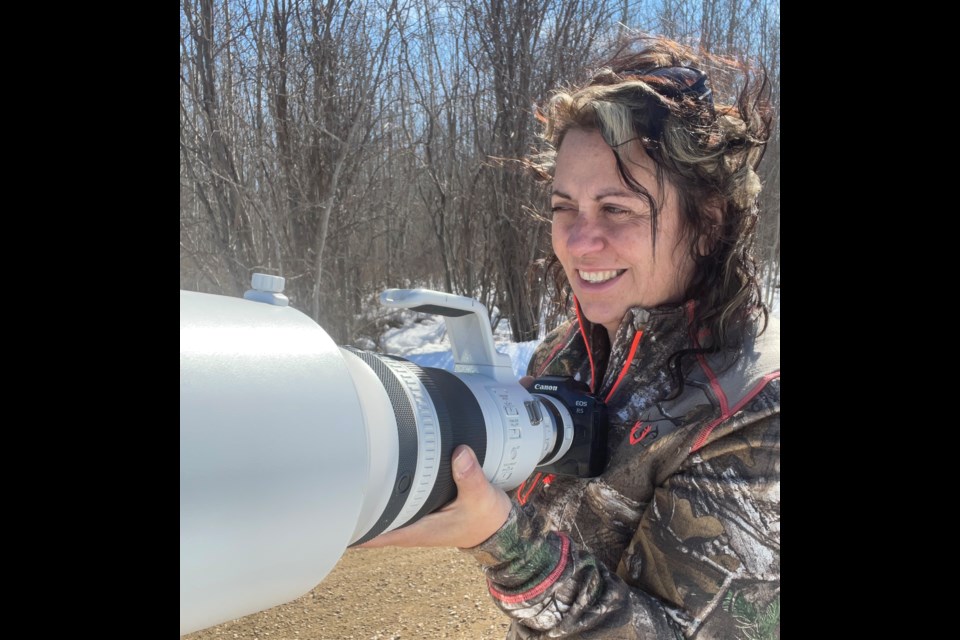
point(515, 442)
point(273, 457)
point(292, 448)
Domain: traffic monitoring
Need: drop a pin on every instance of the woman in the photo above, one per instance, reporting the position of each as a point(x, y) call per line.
point(653, 198)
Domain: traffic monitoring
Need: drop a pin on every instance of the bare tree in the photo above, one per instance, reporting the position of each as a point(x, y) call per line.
point(355, 145)
point(747, 30)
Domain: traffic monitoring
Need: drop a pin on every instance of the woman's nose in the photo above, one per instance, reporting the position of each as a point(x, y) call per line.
point(586, 236)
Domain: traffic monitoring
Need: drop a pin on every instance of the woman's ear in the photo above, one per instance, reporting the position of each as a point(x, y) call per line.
point(713, 213)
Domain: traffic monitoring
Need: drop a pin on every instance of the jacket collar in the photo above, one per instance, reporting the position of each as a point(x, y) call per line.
point(665, 325)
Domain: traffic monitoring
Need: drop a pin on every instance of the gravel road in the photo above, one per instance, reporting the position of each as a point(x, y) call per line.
point(382, 594)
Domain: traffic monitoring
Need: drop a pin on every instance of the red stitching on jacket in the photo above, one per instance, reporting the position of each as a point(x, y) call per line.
point(715, 385)
point(543, 586)
point(522, 499)
point(593, 371)
point(711, 376)
point(520, 491)
point(623, 372)
point(705, 432)
point(634, 438)
point(559, 346)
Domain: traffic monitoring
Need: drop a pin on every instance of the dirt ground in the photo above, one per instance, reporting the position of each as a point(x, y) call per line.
point(382, 594)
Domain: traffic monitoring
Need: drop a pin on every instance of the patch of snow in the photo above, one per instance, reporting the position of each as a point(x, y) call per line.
point(423, 340)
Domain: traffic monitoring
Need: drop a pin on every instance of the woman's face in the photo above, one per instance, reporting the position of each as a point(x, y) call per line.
point(602, 234)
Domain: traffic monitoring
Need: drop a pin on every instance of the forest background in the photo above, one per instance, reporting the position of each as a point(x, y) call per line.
point(353, 146)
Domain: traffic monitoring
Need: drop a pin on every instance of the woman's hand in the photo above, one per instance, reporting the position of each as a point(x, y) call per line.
point(478, 511)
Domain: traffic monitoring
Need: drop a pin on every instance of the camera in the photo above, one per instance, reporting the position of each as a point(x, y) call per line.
point(293, 448)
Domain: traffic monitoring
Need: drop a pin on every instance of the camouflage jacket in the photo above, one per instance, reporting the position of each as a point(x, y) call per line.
point(680, 535)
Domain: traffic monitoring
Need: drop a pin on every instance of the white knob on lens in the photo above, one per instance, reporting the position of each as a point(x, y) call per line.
point(270, 284)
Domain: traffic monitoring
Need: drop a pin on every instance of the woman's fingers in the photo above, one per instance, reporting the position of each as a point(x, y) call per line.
point(478, 511)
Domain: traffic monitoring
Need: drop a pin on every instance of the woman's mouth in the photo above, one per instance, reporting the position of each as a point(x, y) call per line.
point(599, 277)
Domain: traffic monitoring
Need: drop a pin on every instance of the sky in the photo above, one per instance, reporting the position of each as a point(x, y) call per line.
point(423, 339)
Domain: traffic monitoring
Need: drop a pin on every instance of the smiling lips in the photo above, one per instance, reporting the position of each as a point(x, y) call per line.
point(596, 277)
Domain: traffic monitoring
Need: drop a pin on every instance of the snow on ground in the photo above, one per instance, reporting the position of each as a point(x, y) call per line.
point(423, 340)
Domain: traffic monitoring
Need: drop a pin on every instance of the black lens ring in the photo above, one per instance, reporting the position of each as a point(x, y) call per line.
point(461, 422)
point(407, 437)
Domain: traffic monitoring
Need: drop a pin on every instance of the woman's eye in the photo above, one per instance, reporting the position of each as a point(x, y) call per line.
point(617, 211)
point(560, 208)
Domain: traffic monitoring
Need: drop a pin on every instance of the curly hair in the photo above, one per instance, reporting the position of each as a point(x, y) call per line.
point(661, 96)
